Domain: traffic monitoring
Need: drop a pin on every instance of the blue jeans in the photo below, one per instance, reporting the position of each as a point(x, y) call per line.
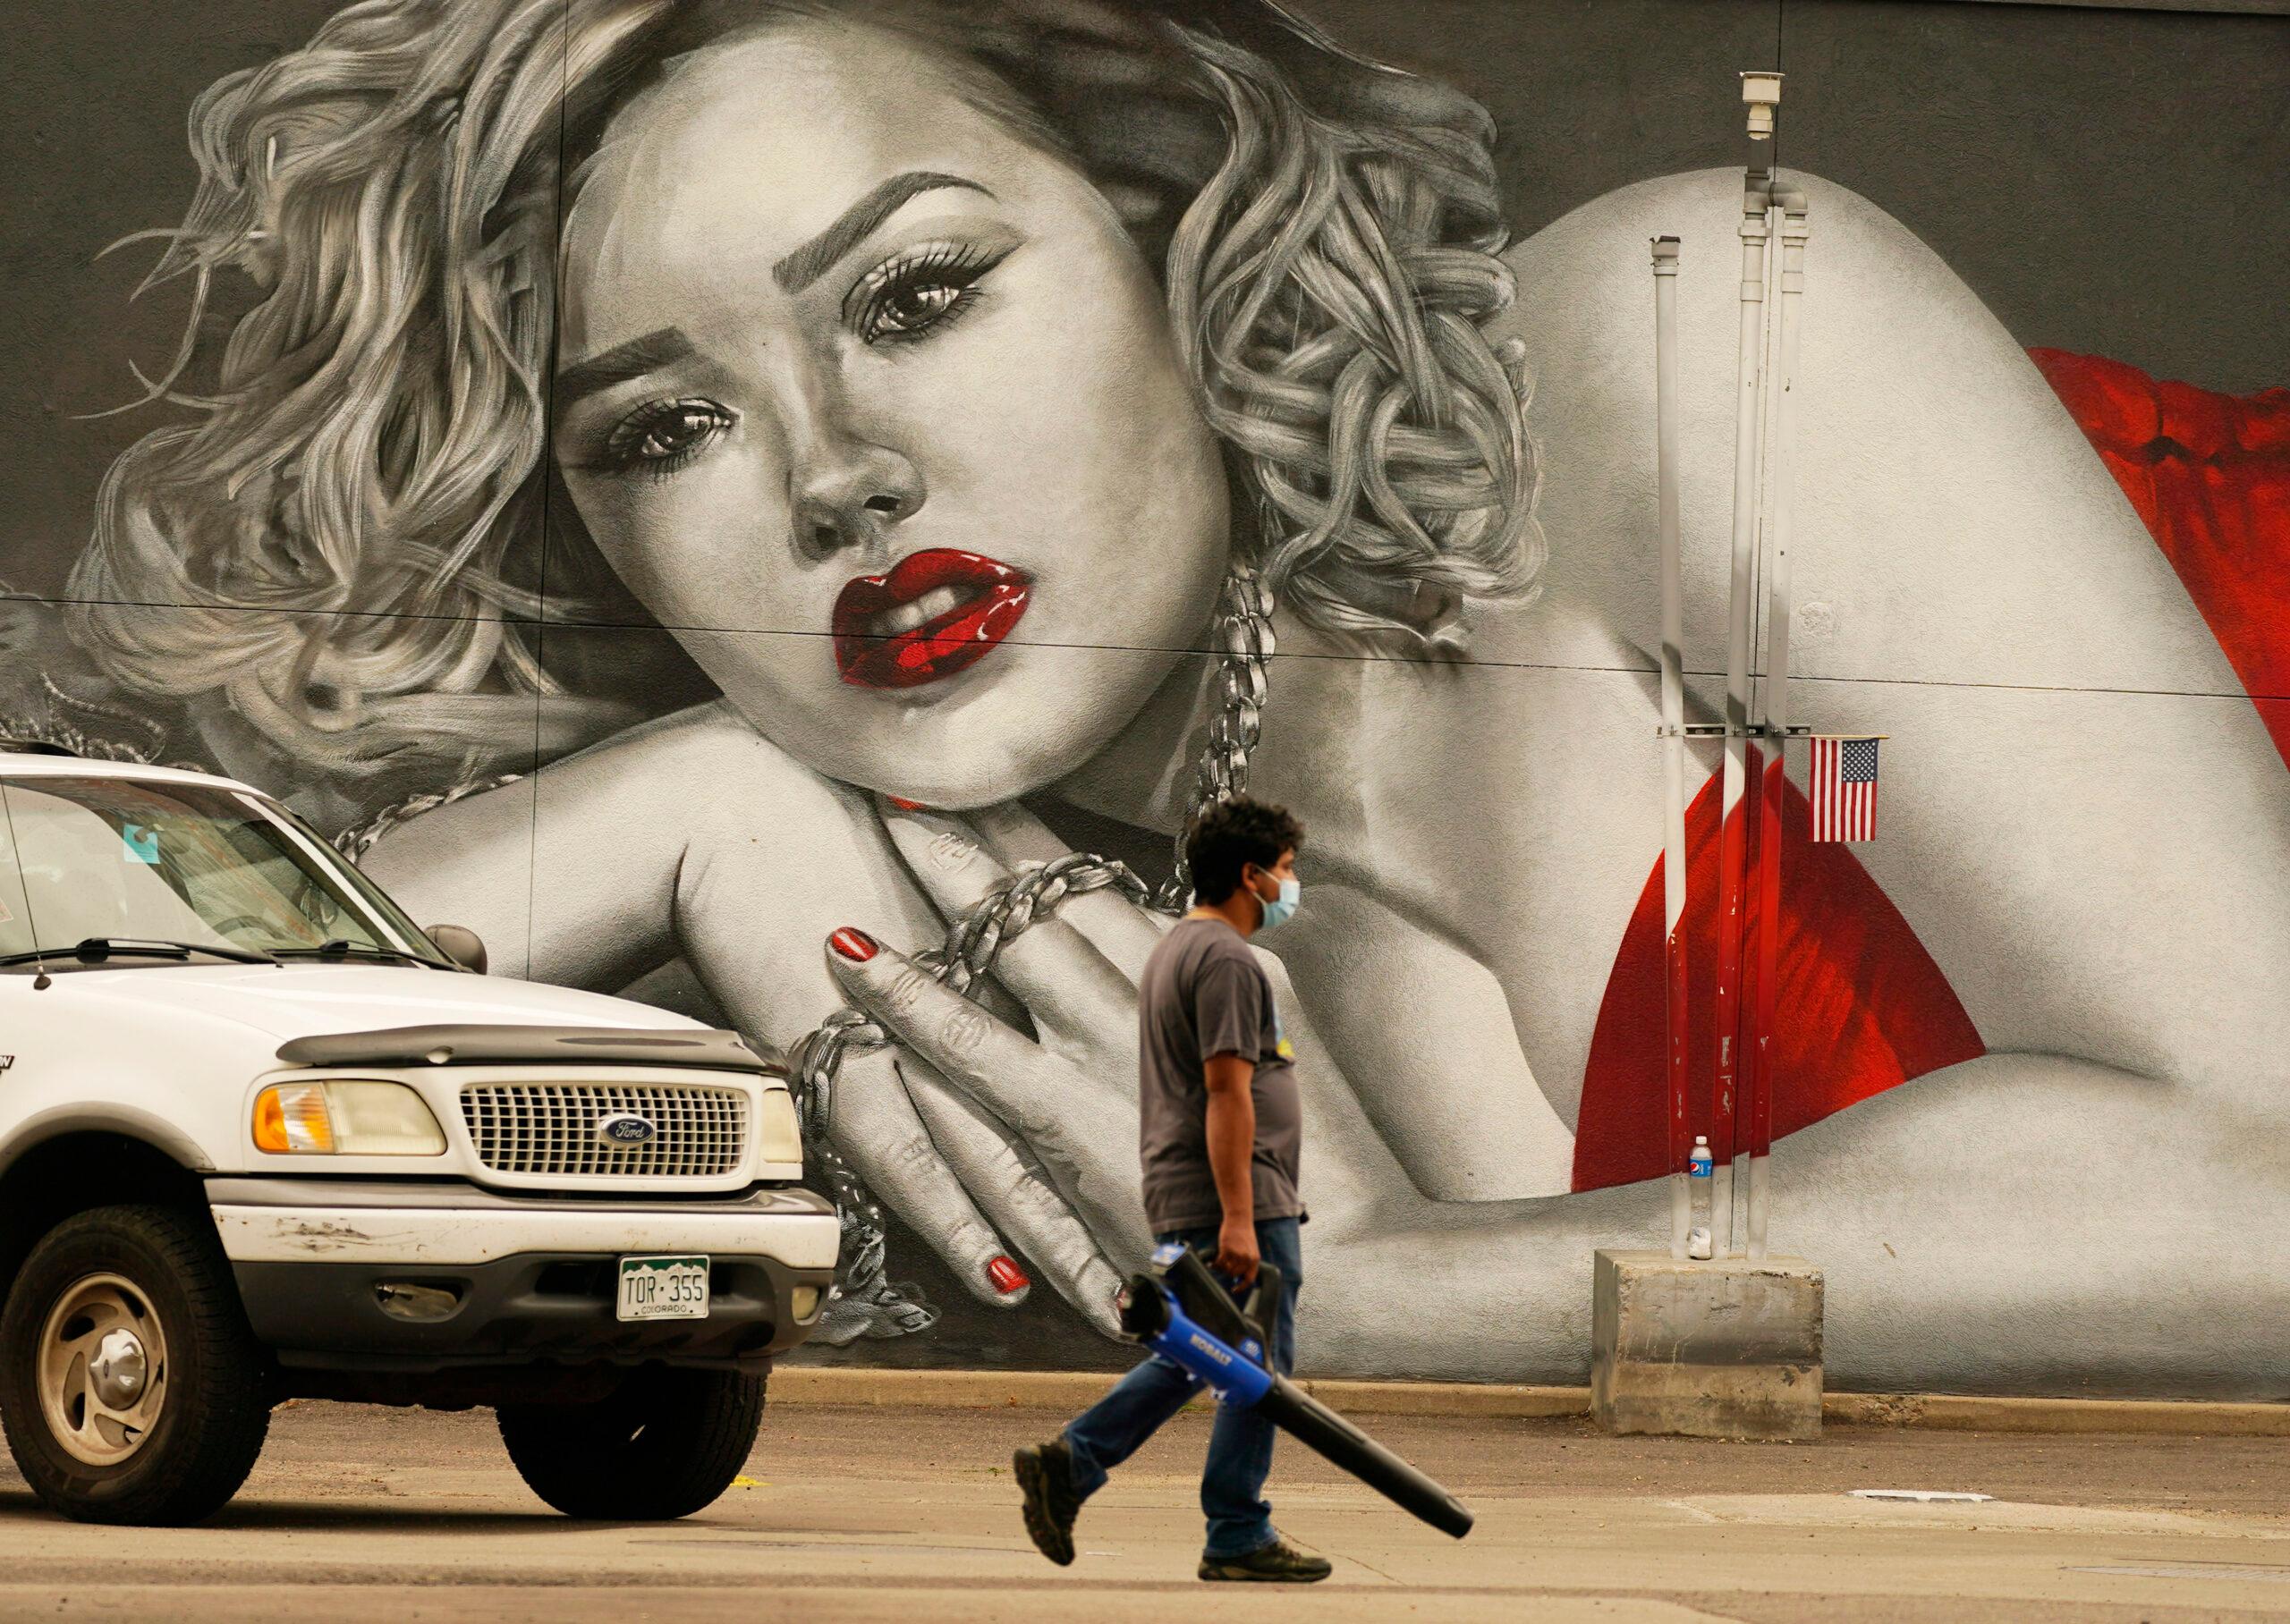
point(1239, 1448)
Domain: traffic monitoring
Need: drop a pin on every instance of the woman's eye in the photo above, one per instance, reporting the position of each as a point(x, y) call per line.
point(661, 438)
point(915, 305)
point(916, 293)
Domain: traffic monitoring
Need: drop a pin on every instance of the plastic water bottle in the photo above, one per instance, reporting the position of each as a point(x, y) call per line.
point(1698, 1164)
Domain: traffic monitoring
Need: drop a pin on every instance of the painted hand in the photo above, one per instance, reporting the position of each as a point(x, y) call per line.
point(1067, 1094)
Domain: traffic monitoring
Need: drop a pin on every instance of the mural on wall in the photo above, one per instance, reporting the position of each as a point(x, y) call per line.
point(709, 494)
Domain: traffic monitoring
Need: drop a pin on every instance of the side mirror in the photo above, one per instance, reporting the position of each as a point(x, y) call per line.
point(465, 947)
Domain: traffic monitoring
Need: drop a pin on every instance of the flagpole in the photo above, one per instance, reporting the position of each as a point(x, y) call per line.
point(1760, 91)
point(1674, 961)
point(1795, 228)
point(1760, 822)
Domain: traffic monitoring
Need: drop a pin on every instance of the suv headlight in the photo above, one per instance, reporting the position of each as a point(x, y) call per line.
point(346, 1119)
point(779, 1137)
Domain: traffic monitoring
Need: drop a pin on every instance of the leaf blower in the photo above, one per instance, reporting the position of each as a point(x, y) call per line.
point(1180, 1312)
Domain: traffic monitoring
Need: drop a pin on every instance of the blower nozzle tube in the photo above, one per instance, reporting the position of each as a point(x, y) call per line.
point(1233, 1365)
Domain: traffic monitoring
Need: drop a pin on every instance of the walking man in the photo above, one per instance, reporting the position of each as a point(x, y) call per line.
point(1219, 1133)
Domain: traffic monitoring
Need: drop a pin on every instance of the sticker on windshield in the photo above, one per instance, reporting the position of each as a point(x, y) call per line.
point(142, 843)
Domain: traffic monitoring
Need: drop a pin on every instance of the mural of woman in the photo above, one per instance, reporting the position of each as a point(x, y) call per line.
point(894, 438)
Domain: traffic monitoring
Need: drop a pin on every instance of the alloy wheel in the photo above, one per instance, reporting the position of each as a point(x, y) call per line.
point(103, 1369)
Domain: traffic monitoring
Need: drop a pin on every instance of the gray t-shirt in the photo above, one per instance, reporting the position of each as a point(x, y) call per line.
point(1203, 994)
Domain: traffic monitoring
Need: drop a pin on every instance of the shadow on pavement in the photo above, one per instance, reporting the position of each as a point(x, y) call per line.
point(361, 1515)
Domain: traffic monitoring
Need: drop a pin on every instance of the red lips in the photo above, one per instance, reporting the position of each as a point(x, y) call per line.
point(990, 597)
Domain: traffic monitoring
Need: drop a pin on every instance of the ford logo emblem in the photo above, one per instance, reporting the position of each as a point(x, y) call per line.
point(624, 1127)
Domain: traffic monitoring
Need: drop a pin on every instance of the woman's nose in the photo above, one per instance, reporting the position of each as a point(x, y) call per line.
point(849, 494)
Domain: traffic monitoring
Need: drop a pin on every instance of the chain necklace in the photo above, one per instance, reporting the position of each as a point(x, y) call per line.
point(90, 729)
point(864, 1302)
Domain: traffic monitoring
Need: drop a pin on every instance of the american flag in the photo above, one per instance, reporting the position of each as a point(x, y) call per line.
point(1845, 789)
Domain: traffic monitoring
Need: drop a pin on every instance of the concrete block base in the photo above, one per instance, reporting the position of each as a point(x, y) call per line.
point(1723, 1348)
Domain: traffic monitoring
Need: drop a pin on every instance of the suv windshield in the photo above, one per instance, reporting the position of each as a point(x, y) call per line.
point(200, 865)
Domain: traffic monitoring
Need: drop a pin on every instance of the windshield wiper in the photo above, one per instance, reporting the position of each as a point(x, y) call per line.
point(338, 948)
point(95, 950)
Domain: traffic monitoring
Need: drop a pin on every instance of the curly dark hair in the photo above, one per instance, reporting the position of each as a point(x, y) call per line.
point(1227, 836)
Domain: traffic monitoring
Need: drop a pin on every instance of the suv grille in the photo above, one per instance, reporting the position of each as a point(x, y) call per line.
point(550, 1128)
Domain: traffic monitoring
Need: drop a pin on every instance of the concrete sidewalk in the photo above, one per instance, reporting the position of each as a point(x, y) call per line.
point(846, 1387)
point(879, 1513)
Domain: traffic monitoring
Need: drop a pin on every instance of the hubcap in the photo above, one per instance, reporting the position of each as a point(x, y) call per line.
point(118, 1369)
point(103, 1369)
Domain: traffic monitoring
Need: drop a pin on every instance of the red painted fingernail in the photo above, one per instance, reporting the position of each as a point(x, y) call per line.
point(854, 944)
point(905, 805)
point(1006, 1275)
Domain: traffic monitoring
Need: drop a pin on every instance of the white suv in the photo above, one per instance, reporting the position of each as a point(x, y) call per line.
point(262, 1137)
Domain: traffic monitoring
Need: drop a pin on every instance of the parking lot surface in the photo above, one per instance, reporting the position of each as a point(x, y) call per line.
point(909, 1514)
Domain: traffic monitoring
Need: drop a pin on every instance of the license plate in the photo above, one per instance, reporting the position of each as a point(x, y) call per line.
point(662, 1288)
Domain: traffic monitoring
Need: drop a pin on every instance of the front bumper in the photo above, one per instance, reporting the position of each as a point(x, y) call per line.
point(533, 1279)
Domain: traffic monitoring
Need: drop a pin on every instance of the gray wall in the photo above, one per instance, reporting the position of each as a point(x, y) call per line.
point(2109, 181)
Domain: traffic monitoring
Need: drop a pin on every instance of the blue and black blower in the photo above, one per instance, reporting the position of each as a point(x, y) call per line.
point(1181, 1312)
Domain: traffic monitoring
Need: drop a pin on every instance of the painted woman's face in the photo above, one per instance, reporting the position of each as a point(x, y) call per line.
point(876, 407)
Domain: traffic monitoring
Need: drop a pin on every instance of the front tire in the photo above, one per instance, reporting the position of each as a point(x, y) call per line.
point(131, 1387)
point(665, 1445)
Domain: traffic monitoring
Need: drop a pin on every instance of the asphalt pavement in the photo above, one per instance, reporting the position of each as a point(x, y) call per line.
point(909, 1514)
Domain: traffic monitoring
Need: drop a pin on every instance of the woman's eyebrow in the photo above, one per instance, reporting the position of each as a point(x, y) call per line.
point(809, 262)
point(620, 363)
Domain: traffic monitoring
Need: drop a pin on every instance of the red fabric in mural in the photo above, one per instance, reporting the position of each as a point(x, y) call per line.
point(1861, 1005)
point(1864, 1006)
point(2210, 475)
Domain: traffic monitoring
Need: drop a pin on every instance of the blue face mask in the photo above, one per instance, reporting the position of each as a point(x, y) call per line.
point(1282, 907)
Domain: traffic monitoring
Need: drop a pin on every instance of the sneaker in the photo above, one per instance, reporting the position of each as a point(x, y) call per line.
point(1045, 1473)
point(1278, 1563)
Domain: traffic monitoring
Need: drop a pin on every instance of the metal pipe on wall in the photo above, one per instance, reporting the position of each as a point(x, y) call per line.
point(1760, 822)
point(1795, 229)
point(1758, 827)
point(1674, 960)
point(1733, 856)
point(1753, 930)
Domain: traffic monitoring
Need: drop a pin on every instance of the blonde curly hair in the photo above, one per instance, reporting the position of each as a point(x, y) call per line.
point(351, 541)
